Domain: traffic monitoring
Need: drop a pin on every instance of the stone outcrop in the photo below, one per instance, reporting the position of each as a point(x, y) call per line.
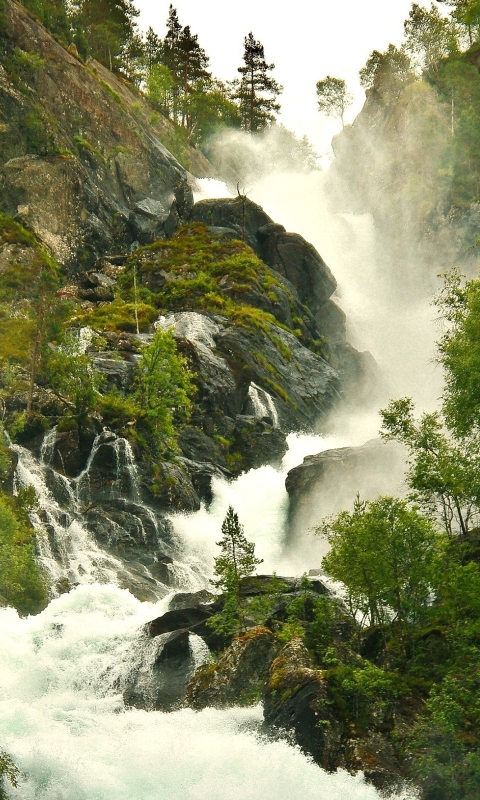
point(238, 675)
point(327, 482)
point(300, 698)
point(161, 671)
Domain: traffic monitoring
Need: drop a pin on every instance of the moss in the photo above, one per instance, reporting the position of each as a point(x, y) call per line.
point(83, 144)
point(117, 316)
point(279, 391)
point(111, 91)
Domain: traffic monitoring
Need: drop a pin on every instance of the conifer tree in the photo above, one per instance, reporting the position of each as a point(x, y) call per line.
point(237, 560)
point(172, 57)
point(256, 91)
point(153, 49)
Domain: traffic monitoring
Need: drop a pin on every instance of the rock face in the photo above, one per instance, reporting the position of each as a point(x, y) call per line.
point(79, 162)
point(161, 671)
point(298, 698)
point(304, 274)
point(224, 358)
point(328, 482)
point(238, 675)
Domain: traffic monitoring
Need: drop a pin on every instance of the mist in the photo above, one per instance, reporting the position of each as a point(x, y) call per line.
point(386, 283)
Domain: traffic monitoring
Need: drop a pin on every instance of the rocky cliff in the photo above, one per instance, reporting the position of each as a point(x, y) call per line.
point(83, 161)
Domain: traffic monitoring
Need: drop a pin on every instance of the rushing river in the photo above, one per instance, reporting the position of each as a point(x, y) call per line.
point(62, 716)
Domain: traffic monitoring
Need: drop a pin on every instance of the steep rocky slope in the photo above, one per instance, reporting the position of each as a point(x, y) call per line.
point(82, 159)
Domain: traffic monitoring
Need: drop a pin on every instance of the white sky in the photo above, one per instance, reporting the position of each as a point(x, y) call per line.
point(305, 39)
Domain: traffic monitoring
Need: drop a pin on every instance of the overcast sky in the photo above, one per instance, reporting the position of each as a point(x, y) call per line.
point(305, 39)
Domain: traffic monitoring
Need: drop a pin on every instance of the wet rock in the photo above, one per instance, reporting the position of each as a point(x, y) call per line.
point(238, 675)
point(245, 217)
point(327, 482)
point(296, 700)
point(256, 442)
point(196, 446)
point(260, 584)
point(190, 599)
point(171, 486)
point(188, 618)
point(161, 673)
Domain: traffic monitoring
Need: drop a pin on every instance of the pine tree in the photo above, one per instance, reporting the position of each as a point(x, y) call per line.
point(172, 57)
point(237, 560)
point(193, 65)
point(256, 91)
point(153, 49)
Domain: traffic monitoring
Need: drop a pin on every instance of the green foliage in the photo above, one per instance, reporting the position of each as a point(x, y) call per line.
point(363, 692)
point(442, 472)
point(8, 771)
point(385, 554)
point(72, 377)
point(459, 352)
point(387, 72)
point(333, 98)
point(429, 36)
point(83, 144)
point(256, 91)
point(163, 391)
point(117, 316)
point(237, 560)
point(21, 582)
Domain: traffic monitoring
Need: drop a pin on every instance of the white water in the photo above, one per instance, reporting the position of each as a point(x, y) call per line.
point(63, 720)
point(62, 717)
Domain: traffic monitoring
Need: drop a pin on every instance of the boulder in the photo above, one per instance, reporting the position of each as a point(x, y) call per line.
point(238, 675)
point(237, 213)
point(161, 672)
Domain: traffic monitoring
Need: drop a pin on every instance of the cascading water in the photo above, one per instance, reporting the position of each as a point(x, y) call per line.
point(63, 719)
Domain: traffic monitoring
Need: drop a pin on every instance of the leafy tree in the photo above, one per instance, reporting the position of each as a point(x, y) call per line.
point(160, 88)
point(163, 391)
point(386, 72)
point(467, 14)
point(442, 472)
point(333, 97)
point(429, 36)
point(237, 560)
point(384, 552)
point(459, 352)
point(256, 91)
point(210, 110)
point(72, 377)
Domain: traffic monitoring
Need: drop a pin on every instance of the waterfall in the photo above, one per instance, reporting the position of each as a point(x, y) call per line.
point(63, 721)
point(68, 551)
point(263, 404)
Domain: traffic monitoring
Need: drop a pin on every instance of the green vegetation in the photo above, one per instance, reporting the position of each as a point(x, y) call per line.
point(333, 98)
point(236, 561)
point(384, 553)
point(22, 584)
point(163, 392)
point(194, 271)
point(8, 771)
